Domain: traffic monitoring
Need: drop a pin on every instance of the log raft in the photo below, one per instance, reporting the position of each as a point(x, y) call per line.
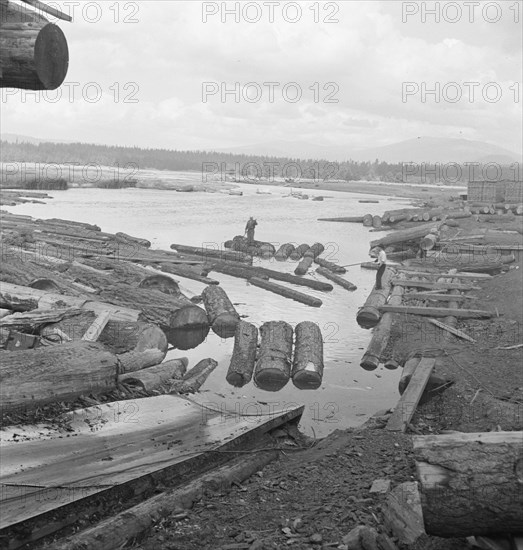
point(369, 315)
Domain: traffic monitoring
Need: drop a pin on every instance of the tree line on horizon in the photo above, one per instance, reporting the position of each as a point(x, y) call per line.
point(238, 166)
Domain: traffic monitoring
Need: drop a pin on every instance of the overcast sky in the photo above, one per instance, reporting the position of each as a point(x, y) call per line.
point(150, 74)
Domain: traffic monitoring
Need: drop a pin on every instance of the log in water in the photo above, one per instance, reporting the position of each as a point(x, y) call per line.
point(307, 367)
point(223, 316)
point(335, 268)
point(243, 355)
point(284, 252)
point(273, 367)
point(304, 265)
point(336, 279)
point(299, 252)
point(286, 292)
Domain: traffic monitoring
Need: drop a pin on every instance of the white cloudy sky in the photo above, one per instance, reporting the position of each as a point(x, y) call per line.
point(166, 55)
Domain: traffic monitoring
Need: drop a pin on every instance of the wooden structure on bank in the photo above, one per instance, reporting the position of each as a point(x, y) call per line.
point(33, 52)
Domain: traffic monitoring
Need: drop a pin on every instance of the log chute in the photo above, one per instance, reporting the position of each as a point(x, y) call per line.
point(33, 52)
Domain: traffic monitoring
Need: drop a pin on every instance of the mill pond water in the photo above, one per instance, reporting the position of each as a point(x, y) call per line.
point(348, 394)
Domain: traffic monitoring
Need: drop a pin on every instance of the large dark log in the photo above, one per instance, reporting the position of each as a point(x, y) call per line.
point(336, 278)
point(223, 317)
point(369, 315)
point(195, 378)
point(247, 272)
point(299, 252)
point(335, 268)
point(29, 379)
point(307, 366)
point(304, 265)
point(158, 377)
point(273, 367)
point(405, 235)
point(33, 55)
point(208, 253)
point(380, 337)
point(185, 339)
point(471, 483)
point(286, 292)
point(243, 355)
point(284, 252)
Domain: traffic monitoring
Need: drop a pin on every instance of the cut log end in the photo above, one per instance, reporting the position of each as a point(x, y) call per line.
point(369, 362)
point(188, 317)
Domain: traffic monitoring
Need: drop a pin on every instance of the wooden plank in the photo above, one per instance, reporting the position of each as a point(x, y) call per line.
point(439, 312)
point(121, 443)
point(452, 330)
point(440, 286)
point(408, 402)
point(437, 297)
point(93, 332)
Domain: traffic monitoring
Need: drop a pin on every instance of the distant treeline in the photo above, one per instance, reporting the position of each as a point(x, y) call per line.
point(219, 165)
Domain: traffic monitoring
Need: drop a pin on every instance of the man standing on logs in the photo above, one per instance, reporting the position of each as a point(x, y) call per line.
point(249, 230)
point(381, 259)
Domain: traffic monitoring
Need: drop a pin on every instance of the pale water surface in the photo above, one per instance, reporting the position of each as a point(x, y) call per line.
point(348, 394)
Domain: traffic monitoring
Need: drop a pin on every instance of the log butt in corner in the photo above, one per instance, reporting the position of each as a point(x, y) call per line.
point(243, 355)
point(273, 368)
point(34, 56)
point(307, 368)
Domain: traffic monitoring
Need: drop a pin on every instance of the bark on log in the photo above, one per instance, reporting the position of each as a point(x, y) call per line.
point(315, 250)
point(307, 367)
point(299, 252)
point(31, 378)
point(286, 292)
point(367, 220)
point(335, 268)
point(376, 221)
point(273, 367)
point(33, 56)
point(247, 272)
point(212, 253)
point(405, 235)
point(380, 337)
point(336, 279)
point(223, 317)
point(129, 240)
point(243, 355)
point(161, 283)
point(369, 315)
point(158, 377)
point(195, 378)
point(284, 252)
point(471, 483)
point(304, 265)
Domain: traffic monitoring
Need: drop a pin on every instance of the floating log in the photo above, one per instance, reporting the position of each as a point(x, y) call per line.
point(299, 252)
point(347, 219)
point(367, 220)
point(404, 410)
point(243, 355)
point(286, 292)
point(380, 337)
point(247, 272)
point(34, 55)
point(284, 252)
point(335, 268)
point(187, 273)
point(336, 279)
point(307, 367)
point(376, 221)
point(212, 253)
point(405, 235)
point(129, 240)
point(368, 201)
point(31, 378)
point(254, 248)
point(439, 312)
point(223, 317)
point(195, 378)
point(369, 315)
point(315, 250)
point(304, 265)
point(157, 377)
point(470, 483)
point(273, 367)
point(435, 286)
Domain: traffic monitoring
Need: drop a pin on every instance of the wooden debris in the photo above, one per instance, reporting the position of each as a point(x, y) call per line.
point(195, 378)
point(408, 402)
point(452, 330)
point(94, 331)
